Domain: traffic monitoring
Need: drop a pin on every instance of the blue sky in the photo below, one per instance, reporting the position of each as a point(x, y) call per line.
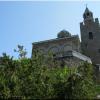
point(27, 22)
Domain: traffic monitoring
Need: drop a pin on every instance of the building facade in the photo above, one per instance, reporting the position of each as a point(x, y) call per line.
point(65, 48)
point(89, 47)
point(60, 45)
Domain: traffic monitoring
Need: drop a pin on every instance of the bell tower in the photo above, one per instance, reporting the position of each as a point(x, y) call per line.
point(90, 36)
point(88, 16)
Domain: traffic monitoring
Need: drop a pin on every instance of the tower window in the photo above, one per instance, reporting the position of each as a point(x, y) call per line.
point(90, 35)
point(87, 14)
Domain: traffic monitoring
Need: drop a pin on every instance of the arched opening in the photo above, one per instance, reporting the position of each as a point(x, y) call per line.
point(54, 50)
point(90, 35)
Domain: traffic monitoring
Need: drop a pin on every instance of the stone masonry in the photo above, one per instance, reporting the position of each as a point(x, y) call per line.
point(90, 36)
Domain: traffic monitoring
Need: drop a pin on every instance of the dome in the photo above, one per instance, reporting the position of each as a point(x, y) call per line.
point(63, 34)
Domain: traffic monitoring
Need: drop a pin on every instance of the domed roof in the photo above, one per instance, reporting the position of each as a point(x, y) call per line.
point(63, 34)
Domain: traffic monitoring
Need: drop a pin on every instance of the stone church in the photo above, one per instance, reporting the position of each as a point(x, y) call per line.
point(70, 49)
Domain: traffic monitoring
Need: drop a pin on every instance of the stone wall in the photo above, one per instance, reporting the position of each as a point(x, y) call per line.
point(57, 45)
point(97, 73)
point(91, 47)
point(70, 62)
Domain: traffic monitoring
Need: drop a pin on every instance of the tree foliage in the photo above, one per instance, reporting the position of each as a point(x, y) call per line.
point(21, 51)
point(27, 78)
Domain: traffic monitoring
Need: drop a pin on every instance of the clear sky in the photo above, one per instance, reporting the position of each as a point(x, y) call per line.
point(27, 22)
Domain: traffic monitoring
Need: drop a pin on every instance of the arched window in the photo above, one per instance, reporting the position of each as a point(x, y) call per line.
point(90, 35)
point(88, 14)
point(54, 50)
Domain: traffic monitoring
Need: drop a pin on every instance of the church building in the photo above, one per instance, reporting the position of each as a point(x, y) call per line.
point(70, 50)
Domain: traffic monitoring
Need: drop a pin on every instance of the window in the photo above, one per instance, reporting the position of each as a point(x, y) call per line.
point(88, 14)
point(90, 35)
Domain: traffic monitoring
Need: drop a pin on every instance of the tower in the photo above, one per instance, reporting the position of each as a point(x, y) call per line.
point(90, 36)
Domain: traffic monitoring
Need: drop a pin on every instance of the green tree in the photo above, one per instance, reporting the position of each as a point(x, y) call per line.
point(42, 78)
point(21, 51)
point(6, 76)
point(80, 85)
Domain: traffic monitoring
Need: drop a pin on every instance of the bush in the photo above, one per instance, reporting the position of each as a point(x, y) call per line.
point(32, 79)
